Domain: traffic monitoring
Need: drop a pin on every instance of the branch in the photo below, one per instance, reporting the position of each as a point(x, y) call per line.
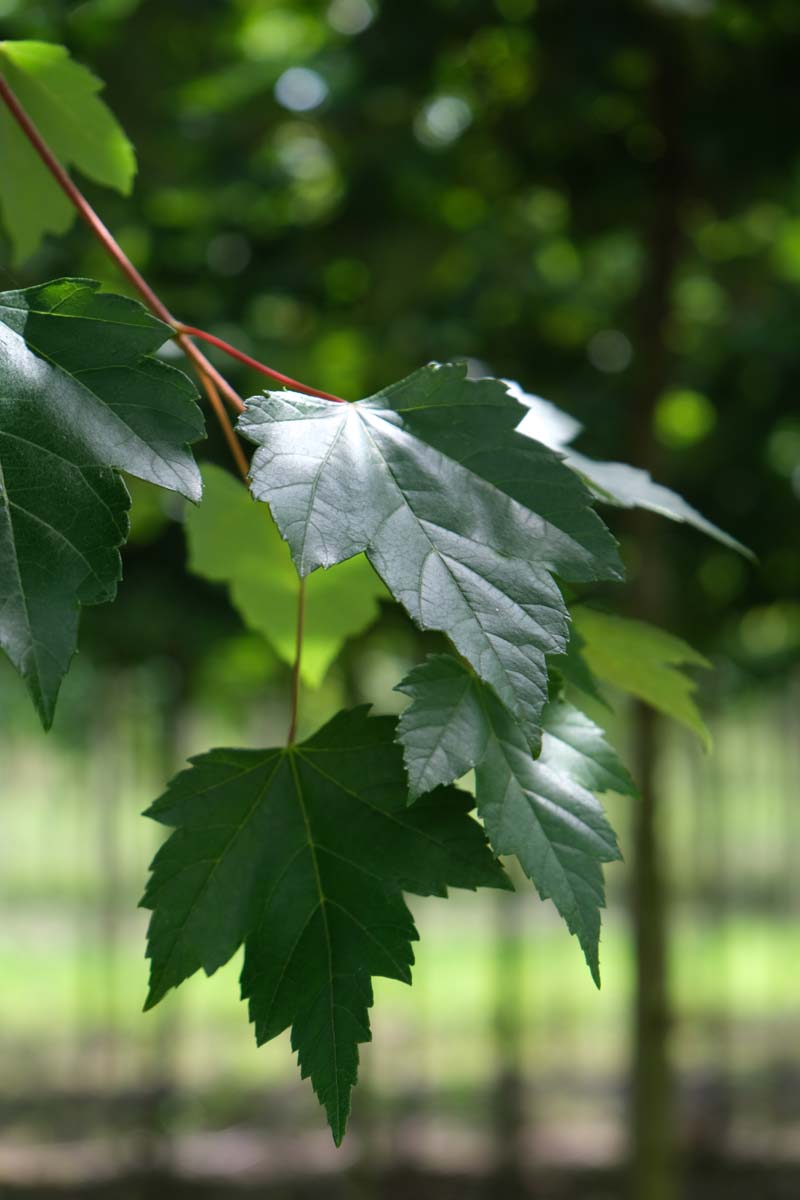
point(207, 369)
point(298, 654)
point(212, 381)
point(184, 333)
point(112, 247)
point(227, 348)
point(214, 399)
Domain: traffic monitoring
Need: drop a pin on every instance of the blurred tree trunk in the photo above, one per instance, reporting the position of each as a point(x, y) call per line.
point(653, 1158)
point(509, 1079)
point(653, 1166)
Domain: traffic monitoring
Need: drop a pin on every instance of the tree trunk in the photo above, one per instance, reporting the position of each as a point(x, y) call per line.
point(509, 1080)
point(653, 1169)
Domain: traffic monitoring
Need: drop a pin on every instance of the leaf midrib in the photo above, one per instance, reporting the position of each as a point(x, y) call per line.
point(443, 558)
point(443, 730)
point(531, 799)
point(326, 928)
point(389, 816)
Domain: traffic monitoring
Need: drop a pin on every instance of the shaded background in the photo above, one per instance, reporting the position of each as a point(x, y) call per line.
point(603, 201)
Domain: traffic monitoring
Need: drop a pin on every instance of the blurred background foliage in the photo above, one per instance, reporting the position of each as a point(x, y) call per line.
point(346, 190)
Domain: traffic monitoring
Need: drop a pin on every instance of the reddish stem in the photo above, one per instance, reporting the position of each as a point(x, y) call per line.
point(101, 231)
point(109, 242)
point(209, 371)
point(115, 251)
point(212, 381)
point(235, 446)
point(298, 654)
point(255, 364)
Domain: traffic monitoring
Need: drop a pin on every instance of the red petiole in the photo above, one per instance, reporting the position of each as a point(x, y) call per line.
point(190, 331)
point(211, 380)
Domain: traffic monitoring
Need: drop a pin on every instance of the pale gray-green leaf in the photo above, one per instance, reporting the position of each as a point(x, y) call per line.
point(614, 483)
point(466, 521)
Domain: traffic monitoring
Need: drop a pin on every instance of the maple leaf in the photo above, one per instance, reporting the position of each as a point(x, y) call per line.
point(81, 397)
point(61, 97)
point(645, 661)
point(236, 542)
point(613, 483)
point(540, 808)
point(302, 854)
point(465, 520)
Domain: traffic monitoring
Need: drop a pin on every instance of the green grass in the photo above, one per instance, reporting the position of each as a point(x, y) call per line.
point(61, 986)
point(75, 854)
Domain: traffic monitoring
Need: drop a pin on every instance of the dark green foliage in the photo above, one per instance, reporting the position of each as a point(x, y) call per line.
point(80, 398)
point(302, 853)
point(525, 241)
point(542, 808)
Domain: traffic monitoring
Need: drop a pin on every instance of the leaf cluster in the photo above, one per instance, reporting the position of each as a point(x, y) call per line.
point(430, 493)
point(458, 498)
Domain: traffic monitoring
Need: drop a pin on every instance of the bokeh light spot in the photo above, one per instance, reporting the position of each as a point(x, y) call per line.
point(350, 16)
point(783, 447)
point(442, 120)
point(722, 576)
point(300, 89)
point(610, 351)
point(770, 629)
point(683, 417)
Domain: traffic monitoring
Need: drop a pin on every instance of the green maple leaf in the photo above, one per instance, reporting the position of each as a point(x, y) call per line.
point(645, 661)
point(541, 809)
point(80, 399)
point(61, 98)
point(612, 482)
point(465, 520)
point(302, 854)
point(234, 541)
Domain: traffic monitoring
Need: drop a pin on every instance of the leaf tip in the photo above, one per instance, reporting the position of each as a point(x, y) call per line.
point(338, 1114)
point(591, 952)
point(45, 706)
point(46, 720)
point(156, 992)
point(150, 1002)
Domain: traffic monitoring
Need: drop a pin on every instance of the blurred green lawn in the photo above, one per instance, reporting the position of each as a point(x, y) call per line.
point(71, 939)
